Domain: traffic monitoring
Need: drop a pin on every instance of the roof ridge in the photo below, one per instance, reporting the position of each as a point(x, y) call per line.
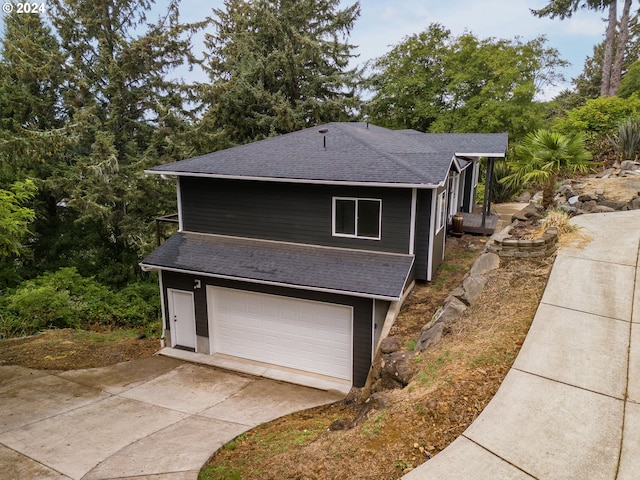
point(393, 158)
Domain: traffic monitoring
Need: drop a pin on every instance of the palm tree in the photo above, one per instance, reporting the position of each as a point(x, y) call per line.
point(543, 156)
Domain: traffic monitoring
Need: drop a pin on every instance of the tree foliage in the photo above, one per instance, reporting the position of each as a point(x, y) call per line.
point(277, 66)
point(87, 109)
point(616, 36)
point(630, 83)
point(434, 81)
point(15, 217)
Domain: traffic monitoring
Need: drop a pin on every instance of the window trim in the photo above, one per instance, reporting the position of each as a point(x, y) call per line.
point(355, 235)
point(441, 211)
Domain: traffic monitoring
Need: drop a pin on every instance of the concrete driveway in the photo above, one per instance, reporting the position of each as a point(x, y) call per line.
point(157, 418)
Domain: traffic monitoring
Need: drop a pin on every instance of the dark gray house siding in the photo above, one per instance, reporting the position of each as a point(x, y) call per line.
point(468, 191)
point(362, 311)
point(289, 212)
point(423, 223)
point(438, 244)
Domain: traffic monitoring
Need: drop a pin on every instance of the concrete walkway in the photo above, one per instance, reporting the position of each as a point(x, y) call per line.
point(155, 418)
point(570, 406)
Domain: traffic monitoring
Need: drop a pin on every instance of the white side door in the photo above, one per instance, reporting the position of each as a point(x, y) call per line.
point(182, 319)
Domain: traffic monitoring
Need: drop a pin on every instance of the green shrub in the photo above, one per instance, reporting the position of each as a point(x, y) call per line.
point(504, 192)
point(43, 306)
point(66, 299)
point(137, 304)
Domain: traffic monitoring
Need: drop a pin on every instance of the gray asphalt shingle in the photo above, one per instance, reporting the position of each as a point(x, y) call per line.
point(354, 153)
point(359, 272)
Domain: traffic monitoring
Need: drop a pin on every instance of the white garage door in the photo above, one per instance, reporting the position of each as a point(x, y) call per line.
point(301, 334)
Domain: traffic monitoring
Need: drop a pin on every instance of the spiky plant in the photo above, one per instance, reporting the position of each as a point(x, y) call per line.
point(627, 140)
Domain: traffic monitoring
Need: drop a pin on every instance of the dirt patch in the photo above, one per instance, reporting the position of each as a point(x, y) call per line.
point(617, 188)
point(452, 384)
point(68, 349)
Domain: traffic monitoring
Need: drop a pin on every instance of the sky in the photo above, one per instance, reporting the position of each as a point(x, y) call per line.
point(384, 23)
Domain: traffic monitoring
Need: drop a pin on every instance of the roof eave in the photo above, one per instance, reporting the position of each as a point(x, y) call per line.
point(147, 267)
point(295, 180)
point(478, 155)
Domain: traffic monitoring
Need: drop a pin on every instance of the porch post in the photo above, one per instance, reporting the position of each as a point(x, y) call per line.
point(488, 191)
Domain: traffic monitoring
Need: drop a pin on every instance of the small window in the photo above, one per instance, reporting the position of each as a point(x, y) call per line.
point(441, 211)
point(357, 217)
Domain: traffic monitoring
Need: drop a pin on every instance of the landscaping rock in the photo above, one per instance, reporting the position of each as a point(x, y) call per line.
point(568, 208)
point(635, 204)
point(606, 173)
point(629, 165)
point(587, 197)
point(566, 191)
point(601, 209)
point(397, 371)
point(430, 336)
point(524, 197)
point(615, 204)
point(530, 211)
point(484, 264)
point(472, 286)
point(390, 345)
point(449, 312)
point(458, 293)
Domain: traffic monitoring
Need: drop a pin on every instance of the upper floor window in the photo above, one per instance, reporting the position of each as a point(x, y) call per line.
point(357, 217)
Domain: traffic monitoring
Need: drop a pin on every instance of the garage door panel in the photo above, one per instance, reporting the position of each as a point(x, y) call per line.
point(300, 334)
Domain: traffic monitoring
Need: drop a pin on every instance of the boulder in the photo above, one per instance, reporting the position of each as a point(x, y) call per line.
point(629, 165)
point(569, 209)
point(397, 370)
point(615, 204)
point(537, 197)
point(484, 264)
point(390, 345)
point(530, 211)
point(601, 209)
point(606, 173)
point(458, 293)
point(566, 191)
point(588, 205)
point(449, 312)
point(430, 336)
point(587, 197)
point(635, 204)
point(473, 286)
point(524, 197)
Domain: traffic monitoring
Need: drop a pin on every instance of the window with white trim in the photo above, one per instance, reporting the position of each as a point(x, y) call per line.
point(441, 211)
point(357, 217)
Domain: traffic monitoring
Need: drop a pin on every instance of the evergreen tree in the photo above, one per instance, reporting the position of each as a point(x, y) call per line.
point(616, 36)
point(119, 97)
point(277, 66)
point(32, 140)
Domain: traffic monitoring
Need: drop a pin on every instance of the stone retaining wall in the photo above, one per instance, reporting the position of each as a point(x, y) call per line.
point(538, 247)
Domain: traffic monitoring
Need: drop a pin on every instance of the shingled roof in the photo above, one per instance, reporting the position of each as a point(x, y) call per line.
point(344, 153)
point(336, 270)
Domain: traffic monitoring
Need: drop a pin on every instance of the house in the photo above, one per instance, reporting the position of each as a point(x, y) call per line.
point(291, 250)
